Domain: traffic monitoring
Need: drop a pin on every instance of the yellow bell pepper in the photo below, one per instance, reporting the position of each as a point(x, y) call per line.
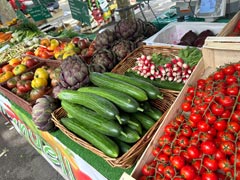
point(39, 83)
point(41, 73)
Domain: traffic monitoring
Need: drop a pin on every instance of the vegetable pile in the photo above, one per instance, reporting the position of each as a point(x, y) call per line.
point(113, 114)
point(203, 140)
point(176, 69)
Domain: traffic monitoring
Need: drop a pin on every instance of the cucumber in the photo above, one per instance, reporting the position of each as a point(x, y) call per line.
point(151, 90)
point(124, 147)
point(132, 136)
point(94, 102)
point(120, 99)
point(159, 83)
point(98, 140)
point(101, 80)
point(92, 120)
point(144, 119)
point(137, 128)
point(151, 111)
point(125, 119)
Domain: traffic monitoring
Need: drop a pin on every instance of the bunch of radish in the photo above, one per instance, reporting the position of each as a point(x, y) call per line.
point(175, 70)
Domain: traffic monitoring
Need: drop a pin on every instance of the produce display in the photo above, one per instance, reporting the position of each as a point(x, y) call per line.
point(177, 69)
point(193, 39)
point(113, 113)
point(202, 141)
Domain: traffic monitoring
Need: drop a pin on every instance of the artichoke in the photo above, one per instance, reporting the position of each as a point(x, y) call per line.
point(74, 73)
point(41, 112)
point(129, 29)
point(105, 59)
point(149, 29)
point(122, 48)
point(104, 39)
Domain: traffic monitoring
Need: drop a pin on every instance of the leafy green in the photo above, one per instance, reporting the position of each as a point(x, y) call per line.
point(68, 33)
point(160, 59)
point(190, 55)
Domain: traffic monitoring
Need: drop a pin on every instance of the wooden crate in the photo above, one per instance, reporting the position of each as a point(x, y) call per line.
point(228, 29)
point(216, 52)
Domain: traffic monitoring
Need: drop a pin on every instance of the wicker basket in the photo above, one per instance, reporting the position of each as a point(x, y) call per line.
point(129, 158)
point(26, 105)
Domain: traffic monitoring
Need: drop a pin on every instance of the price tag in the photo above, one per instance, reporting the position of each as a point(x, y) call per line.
point(103, 4)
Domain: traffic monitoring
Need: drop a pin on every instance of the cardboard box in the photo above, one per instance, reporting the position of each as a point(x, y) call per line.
point(216, 52)
point(171, 34)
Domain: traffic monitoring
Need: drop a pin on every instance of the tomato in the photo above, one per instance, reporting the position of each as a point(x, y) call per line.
point(167, 150)
point(233, 127)
point(176, 149)
point(226, 114)
point(169, 129)
point(219, 75)
point(169, 172)
point(204, 136)
point(195, 117)
point(29, 53)
point(37, 93)
point(160, 168)
point(191, 90)
point(202, 107)
point(210, 118)
point(39, 83)
point(27, 76)
point(6, 76)
point(163, 158)
point(156, 151)
point(188, 172)
point(229, 70)
point(220, 125)
point(238, 147)
point(186, 131)
point(209, 176)
point(165, 139)
point(19, 69)
point(194, 141)
point(200, 94)
point(227, 136)
point(210, 163)
point(189, 97)
point(226, 101)
point(217, 109)
point(227, 147)
point(12, 83)
point(232, 90)
point(41, 73)
point(7, 67)
point(183, 141)
point(224, 165)
point(208, 147)
point(230, 79)
point(186, 106)
point(177, 161)
point(203, 126)
point(219, 155)
point(236, 116)
point(180, 118)
point(148, 170)
point(193, 152)
point(212, 131)
point(14, 61)
point(24, 85)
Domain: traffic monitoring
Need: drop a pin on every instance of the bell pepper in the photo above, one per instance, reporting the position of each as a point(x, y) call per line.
point(5, 76)
point(41, 73)
point(39, 83)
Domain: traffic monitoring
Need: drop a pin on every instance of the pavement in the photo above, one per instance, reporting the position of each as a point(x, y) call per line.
point(18, 159)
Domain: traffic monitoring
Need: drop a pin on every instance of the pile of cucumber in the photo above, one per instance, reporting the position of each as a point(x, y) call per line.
point(113, 113)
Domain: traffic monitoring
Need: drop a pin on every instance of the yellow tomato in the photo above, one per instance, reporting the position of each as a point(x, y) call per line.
point(14, 61)
point(5, 76)
point(39, 83)
point(41, 73)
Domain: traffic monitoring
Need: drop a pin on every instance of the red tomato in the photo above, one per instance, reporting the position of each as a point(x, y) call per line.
point(188, 172)
point(186, 106)
point(197, 164)
point(177, 161)
point(193, 152)
point(163, 158)
point(217, 109)
point(219, 155)
point(226, 101)
point(226, 114)
point(209, 176)
point(169, 172)
point(210, 163)
point(167, 150)
point(186, 130)
point(183, 141)
point(176, 149)
point(202, 107)
point(236, 116)
point(210, 118)
point(212, 131)
point(203, 126)
point(220, 125)
point(160, 168)
point(229, 70)
point(148, 170)
point(208, 98)
point(227, 136)
point(165, 139)
point(230, 79)
point(233, 127)
point(189, 97)
point(169, 130)
point(219, 75)
point(237, 66)
point(227, 147)
point(224, 165)
point(232, 90)
point(208, 147)
point(195, 117)
point(156, 151)
point(204, 136)
point(191, 90)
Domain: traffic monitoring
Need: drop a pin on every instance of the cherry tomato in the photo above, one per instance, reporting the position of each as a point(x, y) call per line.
point(160, 168)
point(148, 170)
point(177, 161)
point(229, 70)
point(219, 75)
point(227, 147)
point(209, 176)
point(188, 172)
point(167, 150)
point(227, 136)
point(208, 147)
point(193, 152)
point(156, 151)
point(224, 165)
point(186, 106)
point(169, 172)
point(165, 139)
point(226, 101)
point(210, 118)
point(233, 126)
point(236, 116)
point(210, 163)
point(189, 97)
point(230, 79)
point(232, 90)
point(217, 109)
point(203, 126)
point(204, 136)
point(186, 131)
point(183, 141)
point(226, 114)
point(163, 158)
point(169, 129)
point(219, 155)
point(191, 90)
point(220, 125)
point(195, 117)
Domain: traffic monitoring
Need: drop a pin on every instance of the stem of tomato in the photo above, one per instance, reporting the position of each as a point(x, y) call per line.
point(235, 156)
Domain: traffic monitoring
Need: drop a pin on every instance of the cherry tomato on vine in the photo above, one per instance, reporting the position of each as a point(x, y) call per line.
point(236, 116)
point(160, 168)
point(232, 90)
point(220, 125)
point(191, 90)
point(203, 126)
point(227, 147)
point(163, 158)
point(177, 161)
point(165, 139)
point(209, 176)
point(229, 70)
point(210, 163)
point(224, 165)
point(219, 75)
point(188, 172)
point(208, 147)
point(226, 101)
point(148, 170)
point(230, 79)
point(219, 155)
point(193, 152)
point(210, 117)
point(183, 141)
point(217, 109)
point(156, 151)
point(233, 126)
point(186, 106)
point(195, 117)
point(186, 130)
point(169, 172)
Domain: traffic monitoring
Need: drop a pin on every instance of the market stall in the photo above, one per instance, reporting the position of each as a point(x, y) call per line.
point(97, 108)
